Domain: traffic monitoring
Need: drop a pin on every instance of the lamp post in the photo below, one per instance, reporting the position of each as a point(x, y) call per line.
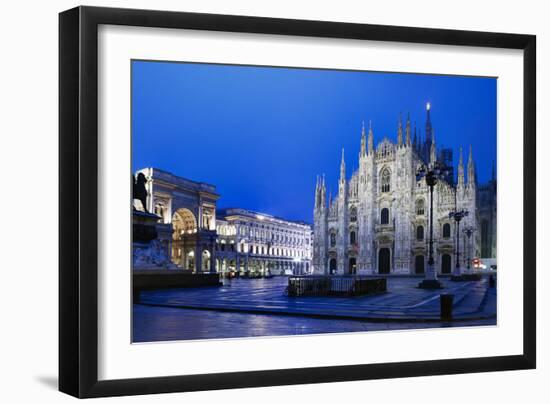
point(468, 231)
point(457, 215)
point(432, 174)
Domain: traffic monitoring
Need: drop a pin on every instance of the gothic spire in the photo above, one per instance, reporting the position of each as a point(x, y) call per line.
point(363, 141)
point(343, 167)
point(342, 182)
point(428, 124)
point(371, 138)
point(408, 131)
point(317, 193)
point(400, 132)
point(323, 192)
point(471, 171)
point(460, 170)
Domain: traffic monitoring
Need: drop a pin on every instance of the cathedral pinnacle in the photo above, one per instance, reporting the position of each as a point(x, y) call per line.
point(342, 183)
point(433, 151)
point(317, 193)
point(343, 167)
point(371, 138)
point(363, 142)
point(400, 131)
point(408, 130)
point(428, 124)
point(460, 169)
point(471, 170)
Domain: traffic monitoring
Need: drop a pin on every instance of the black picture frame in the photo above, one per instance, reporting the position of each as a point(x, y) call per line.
point(78, 206)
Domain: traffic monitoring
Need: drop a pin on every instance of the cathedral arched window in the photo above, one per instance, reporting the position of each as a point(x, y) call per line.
point(420, 207)
point(385, 216)
point(353, 214)
point(332, 239)
point(385, 180)
point(446, 230)
point(420, 232)
point(352, 238)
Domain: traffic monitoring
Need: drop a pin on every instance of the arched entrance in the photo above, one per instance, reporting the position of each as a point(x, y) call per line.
point(183, 223)
point(352, 265)
point(384, 261)
point(332, 265)
point(419, 264)
point(445, 264)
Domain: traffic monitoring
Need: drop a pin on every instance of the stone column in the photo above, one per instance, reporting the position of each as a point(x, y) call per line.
point(198, 259)
point(213, 258)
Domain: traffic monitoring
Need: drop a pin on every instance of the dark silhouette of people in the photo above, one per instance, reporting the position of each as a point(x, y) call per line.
point(139, 191)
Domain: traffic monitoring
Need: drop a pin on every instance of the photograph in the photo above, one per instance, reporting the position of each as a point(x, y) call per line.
point(282, 201)
point(275, 202)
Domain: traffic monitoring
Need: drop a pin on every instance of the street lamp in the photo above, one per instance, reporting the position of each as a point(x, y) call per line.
point(468, 231)
point(457, 215)
point(432, 174)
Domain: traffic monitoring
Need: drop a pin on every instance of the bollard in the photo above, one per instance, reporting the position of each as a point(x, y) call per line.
point(446, 306)
point(491, 281)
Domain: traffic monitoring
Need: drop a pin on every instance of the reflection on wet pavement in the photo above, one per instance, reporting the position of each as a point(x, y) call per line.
point(171, 323)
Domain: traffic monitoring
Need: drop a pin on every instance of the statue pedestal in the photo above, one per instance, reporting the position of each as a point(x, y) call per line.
point(148, 252)
point(143, 226)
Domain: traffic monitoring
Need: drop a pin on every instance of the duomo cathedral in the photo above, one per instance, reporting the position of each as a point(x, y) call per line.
point(379, 220)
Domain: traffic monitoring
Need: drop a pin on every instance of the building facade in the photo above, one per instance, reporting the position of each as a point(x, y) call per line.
point(199, 238)
point(187, 228)
point(253, 243)
point(379, 221)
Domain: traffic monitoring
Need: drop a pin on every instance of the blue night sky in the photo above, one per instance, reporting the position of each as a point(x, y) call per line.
point(263, 134)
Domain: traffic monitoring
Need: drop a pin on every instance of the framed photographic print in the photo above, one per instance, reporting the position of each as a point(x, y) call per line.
point(251, 201)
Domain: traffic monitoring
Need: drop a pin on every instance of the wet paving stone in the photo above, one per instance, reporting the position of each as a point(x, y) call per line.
point(259, 307)
point(172, 324)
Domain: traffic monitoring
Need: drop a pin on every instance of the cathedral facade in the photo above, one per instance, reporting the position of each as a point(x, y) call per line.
point(378, 223)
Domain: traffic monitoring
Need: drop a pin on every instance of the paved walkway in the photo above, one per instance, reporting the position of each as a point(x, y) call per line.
point(403, 302)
